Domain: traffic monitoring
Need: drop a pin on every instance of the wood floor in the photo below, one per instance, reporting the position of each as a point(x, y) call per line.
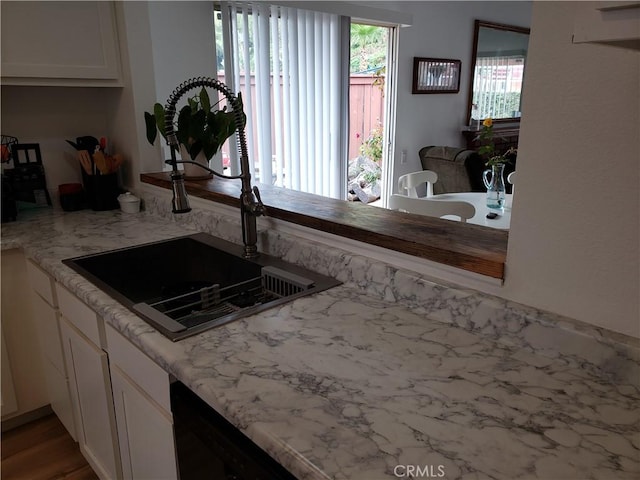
point(42, 450)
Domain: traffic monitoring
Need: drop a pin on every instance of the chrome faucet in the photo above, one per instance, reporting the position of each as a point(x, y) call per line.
point(251, 205)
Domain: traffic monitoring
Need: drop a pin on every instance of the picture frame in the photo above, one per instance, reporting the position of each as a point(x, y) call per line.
point(436, 75)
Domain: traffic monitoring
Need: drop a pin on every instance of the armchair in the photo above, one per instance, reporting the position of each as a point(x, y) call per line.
point(458, 169)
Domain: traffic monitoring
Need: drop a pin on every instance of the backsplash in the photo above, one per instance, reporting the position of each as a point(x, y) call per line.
point(611, 356)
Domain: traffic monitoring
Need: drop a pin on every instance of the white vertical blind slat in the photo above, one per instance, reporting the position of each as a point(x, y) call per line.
point(278, 130)
point(303, 87)
point(296, 145)
point(335, 180)
point(327, 160)
point(318, 111)
point(308, 183)
point(286, 99)
point(229, 65)
point(261, 45)
point(248, 95)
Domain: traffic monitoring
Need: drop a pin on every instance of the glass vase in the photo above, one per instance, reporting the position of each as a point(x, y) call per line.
point(493, 179)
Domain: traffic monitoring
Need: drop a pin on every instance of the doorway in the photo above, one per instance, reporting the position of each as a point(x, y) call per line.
point(369, 108)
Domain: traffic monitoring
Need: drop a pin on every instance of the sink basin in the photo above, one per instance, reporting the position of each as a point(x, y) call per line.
point(190, 284)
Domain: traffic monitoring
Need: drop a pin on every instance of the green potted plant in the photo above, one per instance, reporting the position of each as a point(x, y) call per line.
point(201, 129)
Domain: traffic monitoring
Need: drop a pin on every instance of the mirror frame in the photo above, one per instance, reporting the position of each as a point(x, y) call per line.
point(474, 54)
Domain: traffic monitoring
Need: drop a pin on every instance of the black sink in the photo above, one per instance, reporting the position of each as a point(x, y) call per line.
point(186, 285)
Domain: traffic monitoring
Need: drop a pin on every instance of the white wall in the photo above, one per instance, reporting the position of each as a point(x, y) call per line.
point(48, 116)
point(574, 240)
point(441, 30)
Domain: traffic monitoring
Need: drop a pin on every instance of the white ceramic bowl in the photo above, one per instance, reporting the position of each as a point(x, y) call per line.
point(129, 203)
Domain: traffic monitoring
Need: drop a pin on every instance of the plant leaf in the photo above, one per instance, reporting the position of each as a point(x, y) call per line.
point(158, 112)
point(194, 103)
point(184, 120)
point(152, 131)
point(205, 103)
point(195, 149)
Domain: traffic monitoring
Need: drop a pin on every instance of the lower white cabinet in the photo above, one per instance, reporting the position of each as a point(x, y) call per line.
point(55, 371)
point(23, 378)
point(88, 369)
point(59, 397)
point(145, 433)
point(145, 423)
point(114, 394)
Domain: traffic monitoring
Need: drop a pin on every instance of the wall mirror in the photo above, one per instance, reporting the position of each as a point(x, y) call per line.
point(497, 71)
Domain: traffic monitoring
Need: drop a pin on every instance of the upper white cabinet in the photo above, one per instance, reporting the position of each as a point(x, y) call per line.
point(60, 43)
point(614, 23)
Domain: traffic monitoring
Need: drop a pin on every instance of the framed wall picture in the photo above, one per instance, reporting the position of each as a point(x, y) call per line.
point(436, 75)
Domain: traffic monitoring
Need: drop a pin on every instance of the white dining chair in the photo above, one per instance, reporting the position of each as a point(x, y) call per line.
point(407, 183)
point(511, 178)
point(432, 208)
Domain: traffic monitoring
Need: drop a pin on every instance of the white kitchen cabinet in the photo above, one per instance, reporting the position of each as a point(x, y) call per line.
point(53, 363)
point(45, 311)
point(92, 400)
point(8, 401)
point(145, 432)
point(60, 43)
point(22, 363)
point(144, 420)
point(615, 23)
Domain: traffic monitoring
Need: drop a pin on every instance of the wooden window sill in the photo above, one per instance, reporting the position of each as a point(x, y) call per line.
point(473, 248)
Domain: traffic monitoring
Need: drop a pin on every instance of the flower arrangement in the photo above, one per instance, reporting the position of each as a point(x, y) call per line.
point(488, 149)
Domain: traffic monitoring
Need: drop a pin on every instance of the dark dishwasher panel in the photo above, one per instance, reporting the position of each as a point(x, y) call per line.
point(210, 448)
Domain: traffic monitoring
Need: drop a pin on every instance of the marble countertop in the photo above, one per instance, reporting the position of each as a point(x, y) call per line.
point(346, 385)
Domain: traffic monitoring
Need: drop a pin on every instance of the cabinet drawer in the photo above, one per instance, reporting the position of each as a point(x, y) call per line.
point(150, 377)
point(81, 316)
point(42, 283)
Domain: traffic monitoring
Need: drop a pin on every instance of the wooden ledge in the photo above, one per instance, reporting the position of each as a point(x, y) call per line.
point(473, 248)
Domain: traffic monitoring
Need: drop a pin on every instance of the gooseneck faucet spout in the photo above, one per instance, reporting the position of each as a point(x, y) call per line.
point(251, 205)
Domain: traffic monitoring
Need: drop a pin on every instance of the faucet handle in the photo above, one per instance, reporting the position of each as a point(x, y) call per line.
point(259, 207)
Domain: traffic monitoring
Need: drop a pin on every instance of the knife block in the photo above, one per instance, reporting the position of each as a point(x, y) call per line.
point(101, 191)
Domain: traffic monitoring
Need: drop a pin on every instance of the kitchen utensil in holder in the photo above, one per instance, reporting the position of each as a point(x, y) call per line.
point(101, 191)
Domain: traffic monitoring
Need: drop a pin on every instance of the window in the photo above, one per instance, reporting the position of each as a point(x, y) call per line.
point(497, 86)
point(291, 67)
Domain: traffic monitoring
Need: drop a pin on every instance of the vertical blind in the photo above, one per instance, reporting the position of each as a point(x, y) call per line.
point(497, 86)
point(295, 120)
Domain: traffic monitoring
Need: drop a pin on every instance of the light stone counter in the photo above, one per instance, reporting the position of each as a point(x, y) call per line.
point(385, 373)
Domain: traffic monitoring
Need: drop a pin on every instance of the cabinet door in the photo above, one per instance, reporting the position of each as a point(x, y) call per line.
point(60, 397)
point(145, 433)
point(48, 332)
point(88, 370)
point(59, 40)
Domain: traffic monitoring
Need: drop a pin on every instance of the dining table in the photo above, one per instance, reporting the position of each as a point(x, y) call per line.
point(502, 219)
